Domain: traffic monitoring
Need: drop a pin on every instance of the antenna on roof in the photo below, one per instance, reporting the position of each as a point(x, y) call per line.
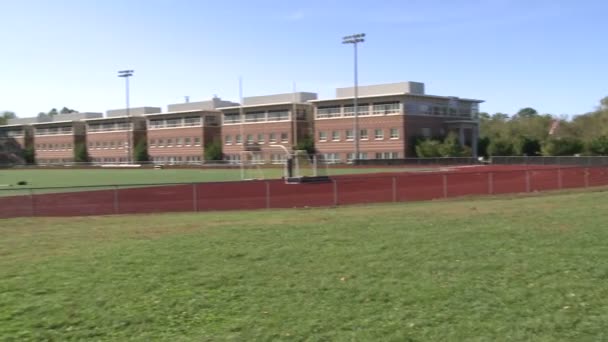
point(187, 98)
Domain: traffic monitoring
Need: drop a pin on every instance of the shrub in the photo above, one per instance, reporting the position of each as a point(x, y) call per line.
point(562, 146)
point(213, 151)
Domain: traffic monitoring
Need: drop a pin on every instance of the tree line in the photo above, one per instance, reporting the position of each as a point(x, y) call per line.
point(529, 133)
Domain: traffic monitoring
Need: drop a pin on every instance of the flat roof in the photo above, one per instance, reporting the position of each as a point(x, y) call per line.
point(53, 122)
point(264, 105)
point(185, 112)
point(113, 118)
point(15, 125)
point(397, 94)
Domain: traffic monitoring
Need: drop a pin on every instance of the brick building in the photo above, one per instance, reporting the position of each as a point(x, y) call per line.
point(15, 138)
point(390, 118)
point(282, 119)
point(113, 139)
point(55, 141)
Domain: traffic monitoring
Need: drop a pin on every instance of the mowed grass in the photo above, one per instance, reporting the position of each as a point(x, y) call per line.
point(527, 269)
point(103, 177)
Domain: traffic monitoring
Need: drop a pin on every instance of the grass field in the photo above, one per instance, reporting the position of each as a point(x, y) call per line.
point(101, 177)
point(528, 269)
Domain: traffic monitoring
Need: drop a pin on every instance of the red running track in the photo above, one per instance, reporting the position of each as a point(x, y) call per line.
point(342, 190)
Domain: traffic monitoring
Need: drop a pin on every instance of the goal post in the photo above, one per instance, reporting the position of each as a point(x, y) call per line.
point(251, 165)
point(301, 167)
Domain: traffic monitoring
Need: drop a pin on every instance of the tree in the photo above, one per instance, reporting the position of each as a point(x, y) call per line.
point(500, 147)
point(598, 146)
point(53, 112)
point(482, 146)
point(29, 155)
point(213, 150)
point(140, 153)
point(5, 116)
point(428, 148)
point(525, 146)
point(66, 110)
point(451, 147)
point(527, 112)
point(306, 144)
point(81, 155)
point(566, 146)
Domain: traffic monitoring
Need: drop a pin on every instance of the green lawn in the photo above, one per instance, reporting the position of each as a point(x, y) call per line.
point(101, 177)
point(528, 269)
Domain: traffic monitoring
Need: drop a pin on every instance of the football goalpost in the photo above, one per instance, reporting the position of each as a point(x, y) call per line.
point(302, 167)
point(251, 165)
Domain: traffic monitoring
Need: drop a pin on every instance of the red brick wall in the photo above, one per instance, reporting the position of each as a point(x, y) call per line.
point(46, 154)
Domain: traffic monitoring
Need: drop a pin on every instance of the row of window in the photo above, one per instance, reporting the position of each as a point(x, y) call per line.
point(263, 116)
point(177, 142)
point(108, 127)
point(259, 138)
point(176, 159)
point(54, 131)
point(54, 160)
point(363, 134)
point(105, 145)
point(110, 160)
point(363, 109)
point(275, 158)
point(189, 121)
point(54, 147)
point(331, 158)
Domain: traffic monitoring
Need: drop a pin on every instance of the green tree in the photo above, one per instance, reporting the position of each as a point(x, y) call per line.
point(451, 147)
point(5, 116)
point(428, 148)
point(525, 146)
point(66, 110)
point(140, 153)
point(29, 155)
point(500, 147)
point(306, 144)
point(565, 146)
point(482, 146)
point(213, 151)
point(527, 112)
point(598, 146)
point(81, 155)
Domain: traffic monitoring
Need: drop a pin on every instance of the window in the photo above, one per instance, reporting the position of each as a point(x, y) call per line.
point(152, 143)
point(231, 118)
point(379, 134)
point(331, 158)
point(228, 140)
point(260, 138)
point(272, 138)
point(112, 146)
point(255, 117)
point(193, 121)
point(279, 115)
point(394, 133)
point(284, 138)
point(161, 143)
point(169, 142)
point(188, 141)
point(363, 135)
point(362, 108)
point(383, 108)
point(239, 139)
point(120, 143)
point(387, 155)
point(179, 141)
point(250, 138)
point(335, 136)
point(197, 141)
point(426, 132)
point(328, 112)
point(349, 134)
point(322, 136)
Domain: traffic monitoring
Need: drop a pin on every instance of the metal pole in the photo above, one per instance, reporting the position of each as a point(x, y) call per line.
point(267, 195)
point(356, 108)
point(241, 128)
point(128, 122)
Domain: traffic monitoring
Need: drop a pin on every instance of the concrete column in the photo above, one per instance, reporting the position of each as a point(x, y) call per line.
point(474, 137)
point(461, 136)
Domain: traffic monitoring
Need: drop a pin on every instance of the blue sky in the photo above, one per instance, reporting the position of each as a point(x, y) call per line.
point(550, 55)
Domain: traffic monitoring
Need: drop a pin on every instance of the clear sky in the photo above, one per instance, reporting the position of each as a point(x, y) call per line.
point(548, 54)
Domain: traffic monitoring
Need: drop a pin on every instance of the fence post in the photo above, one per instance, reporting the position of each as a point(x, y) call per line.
point(586, 177)
point(267, 195)
point(194, 198)
point(116, 204)
point(394, 189)
point(490, 183)
point(32, 202)
point(528, 181)
point(445, 186)
point(335, 192)
point(559, 178)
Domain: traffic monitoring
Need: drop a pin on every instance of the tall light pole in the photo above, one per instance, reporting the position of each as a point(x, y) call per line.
point(126, 74)
point(355, 39)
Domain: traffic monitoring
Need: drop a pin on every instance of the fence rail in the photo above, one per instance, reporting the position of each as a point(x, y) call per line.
point(266, 194)
point(551, 160)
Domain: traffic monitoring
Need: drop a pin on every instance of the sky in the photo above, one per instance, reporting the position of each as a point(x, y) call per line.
point(547, 54)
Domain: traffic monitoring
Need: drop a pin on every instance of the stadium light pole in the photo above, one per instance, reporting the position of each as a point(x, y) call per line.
point(355, 39)
point(126, 74)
